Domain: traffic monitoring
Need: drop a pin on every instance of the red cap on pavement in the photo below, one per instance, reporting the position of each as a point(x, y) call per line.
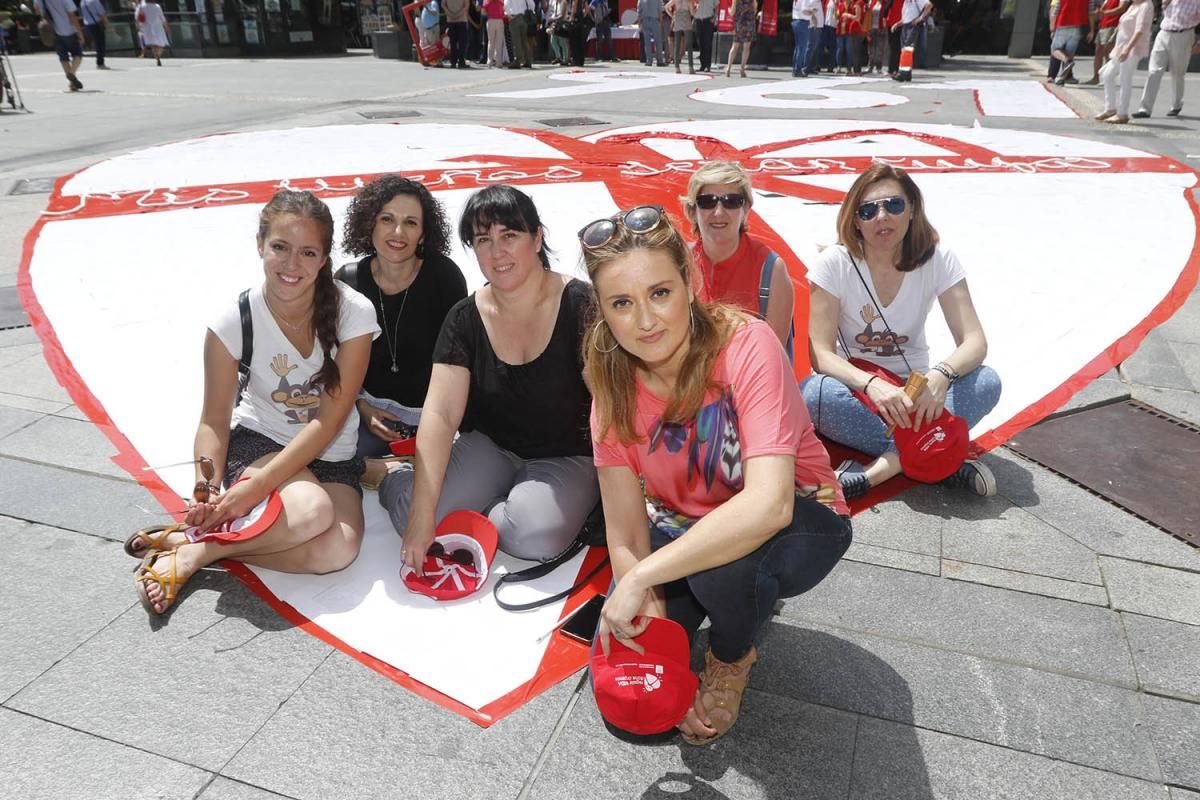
point(648, 693)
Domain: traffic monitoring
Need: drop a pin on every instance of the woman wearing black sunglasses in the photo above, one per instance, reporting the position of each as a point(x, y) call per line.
point(697, 420)
point(870, 296)
point(735, 267)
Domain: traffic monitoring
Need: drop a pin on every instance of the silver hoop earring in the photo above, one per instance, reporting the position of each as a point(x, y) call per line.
point(595, 334)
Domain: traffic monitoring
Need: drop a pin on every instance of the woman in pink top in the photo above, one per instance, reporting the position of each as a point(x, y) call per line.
point(1133, 44)
point(497, 55)
point(697, 422)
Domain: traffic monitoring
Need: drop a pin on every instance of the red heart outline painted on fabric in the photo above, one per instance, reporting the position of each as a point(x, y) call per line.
point(634, 167)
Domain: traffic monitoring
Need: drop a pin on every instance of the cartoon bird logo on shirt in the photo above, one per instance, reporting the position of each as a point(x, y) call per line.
point(300, 401)
point(884, 343)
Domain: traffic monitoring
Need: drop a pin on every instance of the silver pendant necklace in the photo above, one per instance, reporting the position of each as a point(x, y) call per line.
point(295, 327)
point(392, 346)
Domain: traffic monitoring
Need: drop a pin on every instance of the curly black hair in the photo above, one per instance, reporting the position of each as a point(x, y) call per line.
point(370, 200)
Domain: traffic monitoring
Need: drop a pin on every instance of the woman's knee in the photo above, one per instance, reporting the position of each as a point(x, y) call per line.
point(308, 509)
point(531, 536)
point(333, 550)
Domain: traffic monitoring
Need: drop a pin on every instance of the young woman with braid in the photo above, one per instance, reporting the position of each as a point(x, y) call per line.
point(293, 428)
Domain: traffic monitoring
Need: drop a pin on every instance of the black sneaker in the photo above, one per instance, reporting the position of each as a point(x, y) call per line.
point(975, 477)
point(853, 478)
point(1140, 114)
point(76, 84)
point(1174, 112)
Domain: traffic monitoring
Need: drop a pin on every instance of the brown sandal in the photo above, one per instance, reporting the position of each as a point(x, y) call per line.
point(155, 538)
point(168, 583)
point(721, 688)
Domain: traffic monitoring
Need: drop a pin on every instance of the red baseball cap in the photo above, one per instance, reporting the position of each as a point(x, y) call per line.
point(648, 693)
point(457, 562)
point(239, 529)
point(932, 453)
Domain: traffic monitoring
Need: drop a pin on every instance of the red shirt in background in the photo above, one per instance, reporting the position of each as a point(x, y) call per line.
point(1072, 14)
point(895, 13)
point(1112, 19)
point(855, 26)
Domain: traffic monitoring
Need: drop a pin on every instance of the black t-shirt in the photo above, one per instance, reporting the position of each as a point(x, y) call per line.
point(536, 410)
point(413, 319)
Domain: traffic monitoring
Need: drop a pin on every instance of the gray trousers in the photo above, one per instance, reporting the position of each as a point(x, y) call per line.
point(538, 505)
point(1171, 52)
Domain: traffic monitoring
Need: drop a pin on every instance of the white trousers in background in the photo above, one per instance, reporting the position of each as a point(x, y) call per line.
point(1171, 52)
point(1114, 72)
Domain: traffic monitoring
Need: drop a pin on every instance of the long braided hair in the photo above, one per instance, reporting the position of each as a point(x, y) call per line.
point(326, 299)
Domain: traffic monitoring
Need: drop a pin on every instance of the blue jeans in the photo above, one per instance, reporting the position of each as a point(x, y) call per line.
point(652, 31)
point(838, 415)
point(800, 51)
point(847, 55)
point(740, 596)
point(827, 52)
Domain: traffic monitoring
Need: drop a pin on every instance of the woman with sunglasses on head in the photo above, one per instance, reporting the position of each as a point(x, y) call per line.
point(735, 267)
point(697, 421)
point(294, 426)
point(507, 375)
point(870, 296)
point(406, 273)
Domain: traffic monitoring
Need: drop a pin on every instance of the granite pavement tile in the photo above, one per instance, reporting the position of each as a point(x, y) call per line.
point(1075, 720)
point(1024, 582)
point(897, 559)
point(349, 732)
point(1166, 655)
point(1024, 629)
point(17, 353)
point(40, 623)
point(1174, 402)
point(30, 375)
point(64, 442)
point(1156, 364)
point(1188, 355)
point(1184, 325)
point(24, 403)
point(1152, 590)
point(18, 336)
point(1183, 794)
point(61, 498)
point(1175, 728)
point(218, 665)
point(225, 789)
point(1019, 541)
point(43, 761)
point(13, 420)
point(1108, 388)
point(781, 749)
point(893, 524)
point(889, 765)
point(1100, 526)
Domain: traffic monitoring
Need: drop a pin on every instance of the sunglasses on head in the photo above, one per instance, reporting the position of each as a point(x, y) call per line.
point(730, 201)
point(642, 219)
point(462, 557)
point(870, 209)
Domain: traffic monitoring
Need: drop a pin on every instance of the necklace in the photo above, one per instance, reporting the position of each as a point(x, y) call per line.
point(295, 327)
point(394, 334)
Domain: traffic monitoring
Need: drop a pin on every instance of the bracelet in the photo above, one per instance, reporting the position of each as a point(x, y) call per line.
point(946, 371)
point(868, 383)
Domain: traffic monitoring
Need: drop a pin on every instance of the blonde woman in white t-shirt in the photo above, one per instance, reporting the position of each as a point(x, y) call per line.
point(869, 299)
point(294, 428)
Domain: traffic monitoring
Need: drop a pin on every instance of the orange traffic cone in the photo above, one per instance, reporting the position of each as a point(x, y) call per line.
point(906, 61)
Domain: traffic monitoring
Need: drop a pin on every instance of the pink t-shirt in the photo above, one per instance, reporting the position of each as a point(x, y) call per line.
point(688, 470)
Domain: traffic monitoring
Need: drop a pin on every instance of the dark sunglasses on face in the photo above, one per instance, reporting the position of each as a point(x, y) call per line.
point(461, 557)
point(731, 202)
point(642, 219)
point(892, 205)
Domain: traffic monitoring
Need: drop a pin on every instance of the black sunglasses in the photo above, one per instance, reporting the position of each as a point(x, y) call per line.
point(892, 205)
point(731, 202)
point(642, 219)
point(462, 557)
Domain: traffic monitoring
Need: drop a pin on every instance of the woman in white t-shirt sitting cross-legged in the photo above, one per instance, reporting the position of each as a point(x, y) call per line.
point(294, 427)
point(870, 297)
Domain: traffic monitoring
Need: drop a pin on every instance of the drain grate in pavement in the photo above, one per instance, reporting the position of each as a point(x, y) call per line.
point(1132, 455)
point(11, 313)
point(399, 113)
point(33, 186)
point(567, 122)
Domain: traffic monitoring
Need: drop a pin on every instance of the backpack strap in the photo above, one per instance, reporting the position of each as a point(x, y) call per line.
point(348, 274)
point(247, 344)
point(764, 297)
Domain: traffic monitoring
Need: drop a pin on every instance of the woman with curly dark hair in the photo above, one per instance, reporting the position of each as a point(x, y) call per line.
point(401, 232)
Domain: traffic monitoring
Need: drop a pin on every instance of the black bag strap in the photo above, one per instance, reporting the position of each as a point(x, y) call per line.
point(874, 302)
point(592, 534)
point(247, 344)
point(764, 297)
point(348, 274)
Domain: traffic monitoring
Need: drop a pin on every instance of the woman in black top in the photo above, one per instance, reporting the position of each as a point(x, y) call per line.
point(508, 375)
point(402, 234)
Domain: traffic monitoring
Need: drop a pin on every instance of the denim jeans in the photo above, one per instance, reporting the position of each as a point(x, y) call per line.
point(800, 51)
point(739, 597)
point(847, 56)
point(652, 32)
point(838, 415)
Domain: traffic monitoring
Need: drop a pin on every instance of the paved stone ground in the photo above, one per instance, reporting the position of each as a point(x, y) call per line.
point(1039, 644)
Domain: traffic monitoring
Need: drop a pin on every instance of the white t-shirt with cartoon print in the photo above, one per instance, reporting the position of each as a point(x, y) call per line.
point(858, 320)
point(281, 396)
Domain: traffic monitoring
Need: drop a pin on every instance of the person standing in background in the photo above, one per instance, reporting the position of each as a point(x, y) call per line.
point(706, 10)
point(457, 26)
point(1103, 33)
point(155, 33)
point(95, 19)
point(802, 16)
point(877, 37)
point(1171, 51)
point(1068, 33)
point(518, 28)
point(68, 35)
point(1132, 45)
point(681, 29)
point(650, 24)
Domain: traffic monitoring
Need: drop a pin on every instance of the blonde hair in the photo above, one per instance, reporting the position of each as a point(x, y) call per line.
point(921, 237)
point(611, 371)
point(716, 172)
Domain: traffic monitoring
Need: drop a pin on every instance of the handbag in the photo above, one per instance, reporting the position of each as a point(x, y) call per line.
point(530, 19)
point(46, 33)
